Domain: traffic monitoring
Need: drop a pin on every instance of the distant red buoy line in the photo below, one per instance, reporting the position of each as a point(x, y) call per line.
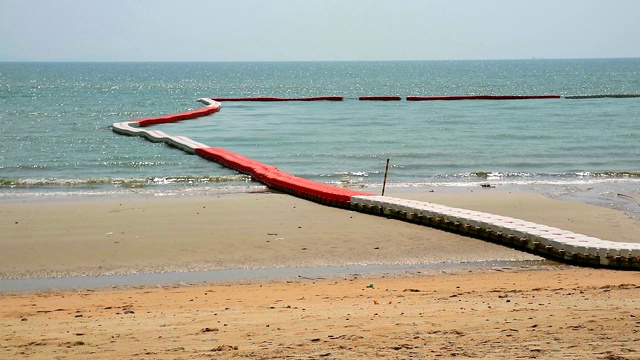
point(380, 98)
point(274, 99)
point(387, 98)
point(481, 97)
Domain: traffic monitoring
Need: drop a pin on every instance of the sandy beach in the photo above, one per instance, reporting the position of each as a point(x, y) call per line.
point(560, 314)
point(125, 235)
point(512, 312)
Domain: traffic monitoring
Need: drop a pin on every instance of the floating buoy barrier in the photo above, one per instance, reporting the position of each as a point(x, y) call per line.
point(423, 98)
point(546, 241)
point(599, 96)
point(188, 115)
point(380, 98)
point(481, 97)
point(274, 99)
point(549, 242)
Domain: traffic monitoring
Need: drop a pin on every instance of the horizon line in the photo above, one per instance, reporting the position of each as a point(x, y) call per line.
point(309, 61)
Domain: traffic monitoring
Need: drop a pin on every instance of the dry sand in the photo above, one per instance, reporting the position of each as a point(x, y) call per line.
point(566, 314)
point(489, 313)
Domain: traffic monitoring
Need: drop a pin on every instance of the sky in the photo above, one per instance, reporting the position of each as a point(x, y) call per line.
point(316, 30)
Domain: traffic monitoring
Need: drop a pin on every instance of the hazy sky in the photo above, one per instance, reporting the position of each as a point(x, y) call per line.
point(275, 30)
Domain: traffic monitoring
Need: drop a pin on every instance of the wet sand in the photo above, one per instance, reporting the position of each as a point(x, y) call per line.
point(487, 312)
point(91, 237)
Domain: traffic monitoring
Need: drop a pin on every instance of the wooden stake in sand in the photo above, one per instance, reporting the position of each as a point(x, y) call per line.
point(386, 171)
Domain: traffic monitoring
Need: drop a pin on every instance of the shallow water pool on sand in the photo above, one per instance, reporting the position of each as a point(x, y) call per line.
point(265, 274)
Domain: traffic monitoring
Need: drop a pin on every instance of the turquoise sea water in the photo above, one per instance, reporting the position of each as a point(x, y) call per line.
point(55, 138)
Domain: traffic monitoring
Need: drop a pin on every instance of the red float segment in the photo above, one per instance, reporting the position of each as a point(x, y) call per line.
point(481, 97)
point(276, 179)
point(451, 97)
point(232, 160)
point(314, 191)
point(187, 115)
point(521, 97)
point(273, 99)
point(267, 174)
point(380, 98)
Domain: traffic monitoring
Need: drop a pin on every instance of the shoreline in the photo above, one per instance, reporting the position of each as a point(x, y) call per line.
point(618, 194)
point(268, 274)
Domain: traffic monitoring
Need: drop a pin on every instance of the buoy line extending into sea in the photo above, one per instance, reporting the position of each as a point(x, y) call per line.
point(549, 242)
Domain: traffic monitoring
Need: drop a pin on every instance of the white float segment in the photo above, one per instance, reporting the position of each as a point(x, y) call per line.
point(126, 128)
point(185, 144)
point(180, 144)
point(194, 143)
point(155, 136)
point(548, 236)
point(209, 102)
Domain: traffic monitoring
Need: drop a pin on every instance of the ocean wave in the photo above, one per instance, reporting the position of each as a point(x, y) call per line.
point(615, 174)
point(43, 194)
point(121, 182)
point(472, 179)
point(496, 175)
point(463, 177)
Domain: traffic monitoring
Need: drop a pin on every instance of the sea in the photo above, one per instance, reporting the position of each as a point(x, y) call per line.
point(56, 141)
